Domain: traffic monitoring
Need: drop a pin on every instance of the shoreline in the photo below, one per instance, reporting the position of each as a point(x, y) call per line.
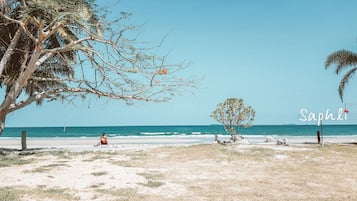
point(88, 143)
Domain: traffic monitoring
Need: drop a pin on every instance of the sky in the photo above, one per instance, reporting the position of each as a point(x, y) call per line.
point(269, 53)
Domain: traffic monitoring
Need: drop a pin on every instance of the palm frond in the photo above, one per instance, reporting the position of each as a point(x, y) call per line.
point(345, 80)
point(342, 59)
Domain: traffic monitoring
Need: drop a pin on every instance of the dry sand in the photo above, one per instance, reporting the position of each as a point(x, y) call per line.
point(182, 170)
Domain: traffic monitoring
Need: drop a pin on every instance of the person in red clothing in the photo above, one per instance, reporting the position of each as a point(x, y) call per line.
point(103, 140)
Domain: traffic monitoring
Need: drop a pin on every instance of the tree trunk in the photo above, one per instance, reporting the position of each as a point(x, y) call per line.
point(23, 141)
point(10, 96)
point(234, 137)
point(4, 110)
point(2, 120)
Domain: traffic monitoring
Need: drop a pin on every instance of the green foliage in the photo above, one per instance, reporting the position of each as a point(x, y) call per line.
point(233, 114)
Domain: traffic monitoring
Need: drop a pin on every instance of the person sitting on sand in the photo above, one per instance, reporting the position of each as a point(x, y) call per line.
point(103, 140)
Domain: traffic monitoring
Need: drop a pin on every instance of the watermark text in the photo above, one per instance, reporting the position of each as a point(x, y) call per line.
point(306, 115)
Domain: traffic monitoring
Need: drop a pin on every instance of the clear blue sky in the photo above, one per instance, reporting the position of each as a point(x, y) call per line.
point(269, 53)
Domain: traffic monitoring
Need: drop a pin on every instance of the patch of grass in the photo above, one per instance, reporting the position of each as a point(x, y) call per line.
point(120, 194)
point(131, 159)
point(228, 151)
point(89, 159)
point(99, 156)
point(153, 184)
point(63, 161)
point(61, 154)
point(41, 186)
point(265, 152)
point(66, 154)
point(54, 191)
point(12, 160)
point(343, 150)
point(97, 174)
point(109, 153)
point(46, 168)
point(151, 175)
point(59, 194)
point(138, 154)
point(122, 163)
point(152, 178)
point(96, 185)
point(9, 194)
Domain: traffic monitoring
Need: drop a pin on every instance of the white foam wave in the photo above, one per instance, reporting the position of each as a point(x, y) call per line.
point(155, 133)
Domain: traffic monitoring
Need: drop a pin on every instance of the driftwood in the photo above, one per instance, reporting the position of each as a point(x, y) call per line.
point(282, 142)
point(231, 140)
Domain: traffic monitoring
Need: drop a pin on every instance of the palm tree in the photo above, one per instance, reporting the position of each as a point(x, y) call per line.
point(51, 73)
point(60, 65)
point(55, 17)
point(343, 59)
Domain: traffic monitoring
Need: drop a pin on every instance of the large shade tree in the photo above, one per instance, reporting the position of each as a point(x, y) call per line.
point(63, 49)
point(233, 114)
point(343, 60)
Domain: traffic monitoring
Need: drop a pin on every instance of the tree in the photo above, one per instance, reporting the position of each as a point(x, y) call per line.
point(63, 49)
point(343, 59)
point(233, 114)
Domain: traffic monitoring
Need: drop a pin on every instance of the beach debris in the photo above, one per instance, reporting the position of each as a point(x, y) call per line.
point(244, 141)
point(237, 139)
point(269, 139)
point(283, 141)
point(219, 141)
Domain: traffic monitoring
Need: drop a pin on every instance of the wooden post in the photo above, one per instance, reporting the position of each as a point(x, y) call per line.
point(321, 136)
point(23, 140)
point(318, 137)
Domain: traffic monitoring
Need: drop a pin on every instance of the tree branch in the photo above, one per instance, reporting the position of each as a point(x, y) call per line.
point(10, 50)
point(21, 24)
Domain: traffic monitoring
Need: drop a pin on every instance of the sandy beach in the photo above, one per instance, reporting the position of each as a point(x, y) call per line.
point(178, 168)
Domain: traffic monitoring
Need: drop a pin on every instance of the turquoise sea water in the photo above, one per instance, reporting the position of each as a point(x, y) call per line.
point(136, 131)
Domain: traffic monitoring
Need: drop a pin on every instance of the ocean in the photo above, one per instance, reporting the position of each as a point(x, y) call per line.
point(205, 130)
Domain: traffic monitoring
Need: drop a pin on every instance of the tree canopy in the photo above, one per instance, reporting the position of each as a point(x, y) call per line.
point(63, 49)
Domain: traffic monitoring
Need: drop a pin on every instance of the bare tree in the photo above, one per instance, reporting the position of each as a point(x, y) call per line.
point(63, 49)
point(233, 114)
